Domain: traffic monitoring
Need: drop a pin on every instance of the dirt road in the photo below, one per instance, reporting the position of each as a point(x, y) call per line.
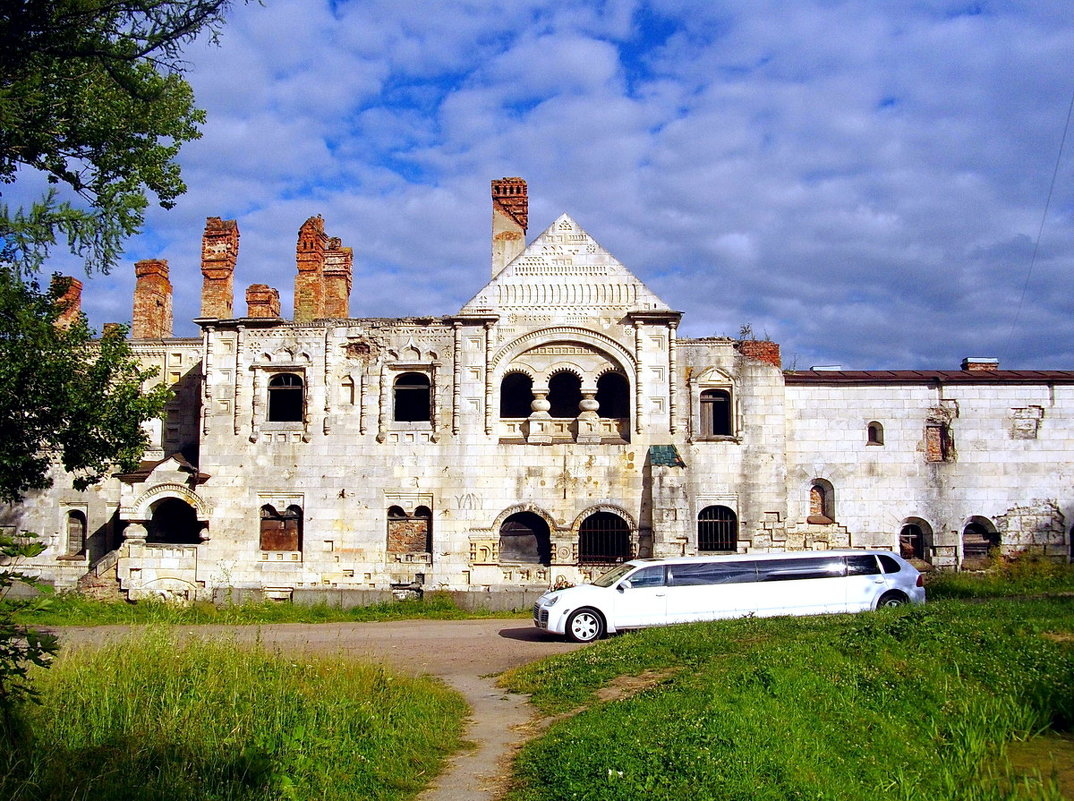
point(466, 654)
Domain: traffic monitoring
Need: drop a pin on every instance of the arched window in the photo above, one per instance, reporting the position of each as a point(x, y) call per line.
point(410, 533)
point(412, 398)
point(525, 539)
point(979, 537)
point(821, 503)
point(564, 394)
point(347, 391)
point(874, 434)
point(516, 395)
point(915, 540)
point(716, 413)
point(717, 529)
point(76, 533)
point(174, 521)
point(281, 531)
point(613, 395)
point(603, 538)
point(285, 398)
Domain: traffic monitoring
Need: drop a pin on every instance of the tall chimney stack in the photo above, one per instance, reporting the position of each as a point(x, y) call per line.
point(219, 251)
point(70, 302)
point(262, 301)
point(338, 266)
point(152, 300)
point(510, 218)
point(309, 282)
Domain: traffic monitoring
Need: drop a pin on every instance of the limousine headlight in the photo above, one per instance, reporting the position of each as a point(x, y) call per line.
point(551, 600)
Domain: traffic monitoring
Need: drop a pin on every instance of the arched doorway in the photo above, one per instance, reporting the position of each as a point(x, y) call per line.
point(979, 538)
point(915, 540)
point(525, 539)
point(173, 521)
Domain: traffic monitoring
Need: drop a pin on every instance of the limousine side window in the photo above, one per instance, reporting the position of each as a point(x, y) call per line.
point(796, 569)
point(648, 577)
point(889, 564)
point(864, 565)
point(711, 573)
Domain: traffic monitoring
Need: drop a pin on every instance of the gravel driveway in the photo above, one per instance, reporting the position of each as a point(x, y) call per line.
point(466, 654)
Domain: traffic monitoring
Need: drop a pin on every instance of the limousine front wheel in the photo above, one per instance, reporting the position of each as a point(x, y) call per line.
point(585, 625)
point(891, 599)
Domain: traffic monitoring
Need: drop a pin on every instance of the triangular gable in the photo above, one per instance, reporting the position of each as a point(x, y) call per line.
point(565, 269)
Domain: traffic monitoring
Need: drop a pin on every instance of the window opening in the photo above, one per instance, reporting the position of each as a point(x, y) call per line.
point(410, 533)
point(564, 394)
point(875, 434)
point(412, 398)
point(285, 398)
point(613, 395)
point(281, 531)
point(717, 529)
point(912, 542)
point(174, 521)
point(937, 443)
point(977, 540)
point(603, 538)
point(525, 538)
point(715, 413)
point(516, 395)
point(821, 504)
point(76, 533)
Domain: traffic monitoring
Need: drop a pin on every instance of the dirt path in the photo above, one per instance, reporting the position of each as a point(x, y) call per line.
point(466, 654)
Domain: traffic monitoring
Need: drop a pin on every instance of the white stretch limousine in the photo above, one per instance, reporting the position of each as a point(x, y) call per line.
point(656, 592)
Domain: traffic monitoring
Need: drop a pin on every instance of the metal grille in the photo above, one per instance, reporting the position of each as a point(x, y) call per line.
point(717, 529)
point(604, 538)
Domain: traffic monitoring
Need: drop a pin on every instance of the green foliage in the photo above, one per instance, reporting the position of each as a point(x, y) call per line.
point(148, 717)
point(71, 609)
point(1024, 574)
point(911, 703)
point(63, 396)
point(20, 647)
point(92, 99)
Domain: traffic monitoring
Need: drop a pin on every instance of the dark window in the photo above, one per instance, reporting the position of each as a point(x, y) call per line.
point(564, 394)
point(603, 538)
point(516, 395)
point(412, 398)
point(281, 531)
point(796, 569)
point(648, 577)
point(715, 413)
point(864, 565)
point(712, 573)
point(613, 395)
point(889, 564)
point(717, 529)
point(76, 533)
point(285, 398)
point(524, 538)
point(875, 434)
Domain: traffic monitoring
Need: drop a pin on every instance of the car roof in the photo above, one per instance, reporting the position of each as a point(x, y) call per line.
point(733, 557)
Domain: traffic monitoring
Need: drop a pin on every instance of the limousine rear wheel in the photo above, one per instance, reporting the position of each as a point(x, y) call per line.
point(585, 625)
point(891, 599)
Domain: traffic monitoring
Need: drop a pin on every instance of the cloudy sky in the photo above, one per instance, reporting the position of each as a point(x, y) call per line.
point(863, 182)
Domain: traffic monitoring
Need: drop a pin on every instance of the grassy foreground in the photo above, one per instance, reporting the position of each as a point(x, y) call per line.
point(911, 703)
point(148, 719)
point(70, 609)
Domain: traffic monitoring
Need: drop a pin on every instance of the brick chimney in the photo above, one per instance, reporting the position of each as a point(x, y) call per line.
point(309, 282)
point(760, 350)
point(152, 300)
point(510, 218)
point(338, 266)
point(977, 364)
point(262, 301)
point(219, 250)
point(69, 302)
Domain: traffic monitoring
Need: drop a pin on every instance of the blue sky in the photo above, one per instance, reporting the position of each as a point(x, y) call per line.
point(863, 182)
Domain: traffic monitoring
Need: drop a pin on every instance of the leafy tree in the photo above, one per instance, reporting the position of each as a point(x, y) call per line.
point(92, 99)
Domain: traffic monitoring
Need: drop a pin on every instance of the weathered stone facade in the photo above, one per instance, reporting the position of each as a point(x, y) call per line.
point(556, 424)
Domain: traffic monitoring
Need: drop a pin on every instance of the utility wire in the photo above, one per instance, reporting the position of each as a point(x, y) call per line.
point(1040, 231)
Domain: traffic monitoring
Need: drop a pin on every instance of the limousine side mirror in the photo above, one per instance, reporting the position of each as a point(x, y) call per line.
point(623, 585)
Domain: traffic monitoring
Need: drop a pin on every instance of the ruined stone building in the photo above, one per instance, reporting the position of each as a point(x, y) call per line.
point(555, 424)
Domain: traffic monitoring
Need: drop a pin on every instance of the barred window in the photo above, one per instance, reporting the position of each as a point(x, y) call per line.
point(717, 529)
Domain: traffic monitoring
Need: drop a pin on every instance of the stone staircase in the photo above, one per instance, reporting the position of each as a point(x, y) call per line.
point(101, 581)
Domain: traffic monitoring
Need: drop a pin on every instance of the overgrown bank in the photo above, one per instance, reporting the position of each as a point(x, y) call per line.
point(150, 719)
point(904, 704)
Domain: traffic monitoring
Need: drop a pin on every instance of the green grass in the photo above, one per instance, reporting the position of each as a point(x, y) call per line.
point(150, 719)
point(911, 703)
point(1024, 575)
point(70, 609)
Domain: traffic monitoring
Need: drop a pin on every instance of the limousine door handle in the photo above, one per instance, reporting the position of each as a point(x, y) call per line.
point(659, 594)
